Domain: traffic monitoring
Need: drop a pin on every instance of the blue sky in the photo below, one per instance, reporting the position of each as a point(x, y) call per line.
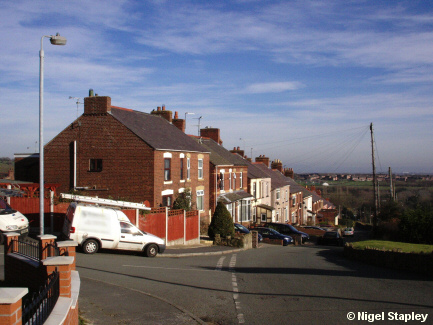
point(298, 81)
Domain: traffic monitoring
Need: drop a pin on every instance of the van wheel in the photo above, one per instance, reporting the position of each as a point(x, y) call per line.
point(151, 250)
point(90, 246)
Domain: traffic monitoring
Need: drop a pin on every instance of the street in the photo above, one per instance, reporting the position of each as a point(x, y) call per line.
point(269, 285)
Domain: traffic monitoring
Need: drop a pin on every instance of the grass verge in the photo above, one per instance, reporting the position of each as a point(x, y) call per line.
point(393, 246)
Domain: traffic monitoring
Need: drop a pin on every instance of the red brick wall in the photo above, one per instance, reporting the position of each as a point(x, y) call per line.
point(127, 165)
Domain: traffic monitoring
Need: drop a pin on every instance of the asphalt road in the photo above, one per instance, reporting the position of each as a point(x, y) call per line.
point(269, 285)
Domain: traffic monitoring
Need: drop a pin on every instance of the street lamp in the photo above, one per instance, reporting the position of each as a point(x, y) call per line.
point(55, 40)
point(187, 113)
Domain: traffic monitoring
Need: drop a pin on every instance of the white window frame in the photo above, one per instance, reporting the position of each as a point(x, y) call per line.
point(200, 194)
point(200, 169)
point(188, 168)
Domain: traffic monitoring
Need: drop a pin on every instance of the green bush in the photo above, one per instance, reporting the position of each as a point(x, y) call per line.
point(416, 226)
point(183, 201)
point(221, 223)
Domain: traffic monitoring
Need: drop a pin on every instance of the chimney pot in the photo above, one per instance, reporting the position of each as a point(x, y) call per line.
point(176, 115)
point(158, 108)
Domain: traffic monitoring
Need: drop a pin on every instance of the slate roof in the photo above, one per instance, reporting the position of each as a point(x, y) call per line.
point(220, 156)
point(278, 180)
point(156, 131)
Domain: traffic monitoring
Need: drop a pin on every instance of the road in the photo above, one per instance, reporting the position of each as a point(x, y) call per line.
point(269, 285)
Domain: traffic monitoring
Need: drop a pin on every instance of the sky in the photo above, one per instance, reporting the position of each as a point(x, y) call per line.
point(298, 81)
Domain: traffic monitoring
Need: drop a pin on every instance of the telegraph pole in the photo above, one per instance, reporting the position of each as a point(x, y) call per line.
point(374, 177)
point(390, 184)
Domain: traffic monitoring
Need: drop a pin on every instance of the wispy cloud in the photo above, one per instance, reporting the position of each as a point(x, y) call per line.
point(272, 87)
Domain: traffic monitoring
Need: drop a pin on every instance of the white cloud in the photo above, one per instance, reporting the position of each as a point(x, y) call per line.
point(272, 87)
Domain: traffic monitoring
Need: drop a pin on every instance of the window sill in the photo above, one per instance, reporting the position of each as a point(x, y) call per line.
point(168, 182)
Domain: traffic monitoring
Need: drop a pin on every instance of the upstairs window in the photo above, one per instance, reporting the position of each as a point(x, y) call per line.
point(240, 180)
point(95, 165)
point(181, 168)
point(188, 168)
point(167, 169)
point(200, 169)
point(278, 194)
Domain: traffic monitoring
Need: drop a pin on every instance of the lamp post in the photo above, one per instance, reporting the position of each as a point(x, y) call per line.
point(55, 40)
point(187, 113)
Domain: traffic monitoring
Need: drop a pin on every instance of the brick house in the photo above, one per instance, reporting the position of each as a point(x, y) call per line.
point(228, 179)
point(119, 153)
point(280, 191)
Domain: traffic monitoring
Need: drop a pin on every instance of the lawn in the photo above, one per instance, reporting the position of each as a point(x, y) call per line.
point(390, 245)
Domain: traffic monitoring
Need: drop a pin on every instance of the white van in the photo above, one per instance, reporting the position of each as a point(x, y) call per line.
point(94, 227)
point(12, 221)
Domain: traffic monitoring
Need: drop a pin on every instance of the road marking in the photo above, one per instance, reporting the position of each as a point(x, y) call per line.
point(220, 263)
point(232, 268)
point(167, 268)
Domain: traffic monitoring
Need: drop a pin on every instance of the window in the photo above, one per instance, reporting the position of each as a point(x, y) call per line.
point(188, 168)
point(200, 169)
point(293, 200)
point(254, 190)
point(222, 181)
point(167, 169)
point(181, 168)
point(240, 180)
point(95, 165)
point(245, 213)
point(200, 198)
point(167, 201)
point(230, 180)
point(234, 181)
point(278, 194)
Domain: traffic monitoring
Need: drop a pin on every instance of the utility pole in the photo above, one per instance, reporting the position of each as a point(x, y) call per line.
point(374, 177)
point(390, 184)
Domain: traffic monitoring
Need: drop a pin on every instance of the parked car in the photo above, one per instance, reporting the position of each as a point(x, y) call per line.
point(94, 227)
point(244, 230)
point(287, 229)
point(273, 234)
point(12, 221)
point(349, 231)
point(313, 227)
point(331, 238)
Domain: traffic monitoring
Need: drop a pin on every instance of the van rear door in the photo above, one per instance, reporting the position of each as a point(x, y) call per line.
point(69, 218)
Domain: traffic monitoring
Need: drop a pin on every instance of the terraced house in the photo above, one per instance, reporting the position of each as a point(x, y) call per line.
point(120, 153)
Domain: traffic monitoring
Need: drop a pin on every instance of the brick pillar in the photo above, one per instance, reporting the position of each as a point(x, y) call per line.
point(64, 267)
point(11, 305)
point(8, 241)
point(44, 241)
point(68, 248)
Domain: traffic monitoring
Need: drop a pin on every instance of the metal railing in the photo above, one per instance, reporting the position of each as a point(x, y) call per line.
point(31, 249)
point(27, 248)
point(37, 306)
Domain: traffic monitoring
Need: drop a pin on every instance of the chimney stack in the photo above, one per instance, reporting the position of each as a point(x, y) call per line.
point(179, 123)
point(163, 113)
point(278, 165)
point(212, 133)
point(263, 159)
point(96, 104)
point(238, 151)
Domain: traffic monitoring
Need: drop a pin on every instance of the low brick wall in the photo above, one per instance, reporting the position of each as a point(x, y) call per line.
point(419, 263)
